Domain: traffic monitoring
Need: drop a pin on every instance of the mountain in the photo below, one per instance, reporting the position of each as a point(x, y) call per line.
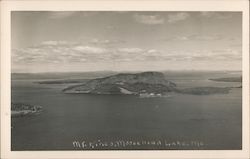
point(126, 83)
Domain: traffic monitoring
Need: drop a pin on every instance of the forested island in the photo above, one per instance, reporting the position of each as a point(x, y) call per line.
point(21, 109)
point(145, 84)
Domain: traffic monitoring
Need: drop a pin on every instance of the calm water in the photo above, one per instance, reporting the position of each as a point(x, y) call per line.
point(213, 121)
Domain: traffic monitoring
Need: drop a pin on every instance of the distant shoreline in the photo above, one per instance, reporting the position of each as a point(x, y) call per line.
point(136, 71)
point(227, 79)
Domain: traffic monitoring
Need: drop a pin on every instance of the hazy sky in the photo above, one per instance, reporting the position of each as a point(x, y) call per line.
point(131, 41)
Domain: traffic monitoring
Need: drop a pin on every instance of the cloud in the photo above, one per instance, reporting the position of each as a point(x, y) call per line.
point(69, 52)
point(105, 41)
point(130, 50)
point(99, 41)
point(218, 55)
point(61, 14)
point(149, 19)
point(195, 37)
point(216, 15)
point(88, 49)
point(206, 37)
point(55, 52)
point(173, 18)
point(182, 38)
point(54, 43)
point(63, 52)
point(152, 51)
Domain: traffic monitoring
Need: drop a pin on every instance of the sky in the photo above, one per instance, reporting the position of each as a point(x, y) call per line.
point(84, 41)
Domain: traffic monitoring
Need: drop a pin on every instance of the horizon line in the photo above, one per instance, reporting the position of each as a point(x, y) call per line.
point(191, 70)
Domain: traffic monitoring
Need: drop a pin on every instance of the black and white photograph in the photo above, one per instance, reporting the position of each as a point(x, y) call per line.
point(126, 80)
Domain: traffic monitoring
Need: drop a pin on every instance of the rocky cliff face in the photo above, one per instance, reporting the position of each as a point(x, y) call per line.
point(145, 82)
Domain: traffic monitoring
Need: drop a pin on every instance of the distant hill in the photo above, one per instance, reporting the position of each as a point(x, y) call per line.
point(205, 90)
point(228, 79)
point(60, 75)
point(126, 83)
point(63, 81)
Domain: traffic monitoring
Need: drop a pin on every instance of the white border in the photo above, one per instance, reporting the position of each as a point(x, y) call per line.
point(121, 5)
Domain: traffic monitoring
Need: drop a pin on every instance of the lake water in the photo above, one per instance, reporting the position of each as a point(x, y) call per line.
point(127, 122)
